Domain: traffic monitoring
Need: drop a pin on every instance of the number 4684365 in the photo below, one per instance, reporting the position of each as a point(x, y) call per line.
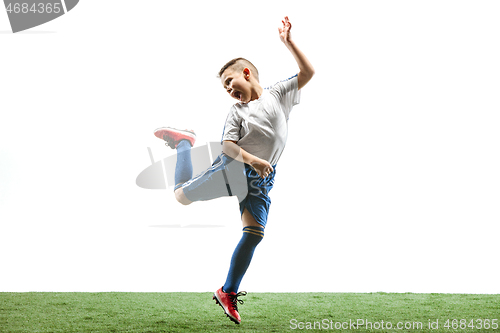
point(473, 323)
point(36, 8)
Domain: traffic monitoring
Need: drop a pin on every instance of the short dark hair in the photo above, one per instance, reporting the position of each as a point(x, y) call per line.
point(239, 64)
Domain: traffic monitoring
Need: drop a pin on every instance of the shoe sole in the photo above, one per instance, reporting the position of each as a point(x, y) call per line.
point(219, 303)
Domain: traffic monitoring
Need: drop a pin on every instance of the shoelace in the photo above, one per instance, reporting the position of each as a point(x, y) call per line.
point(235, 300)
point(168, 143)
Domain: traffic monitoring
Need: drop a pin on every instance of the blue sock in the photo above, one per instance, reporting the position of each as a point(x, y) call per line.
point(241, 257)
point(183, 167)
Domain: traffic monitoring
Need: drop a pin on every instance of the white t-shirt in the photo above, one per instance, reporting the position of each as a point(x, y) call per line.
point(260, 127)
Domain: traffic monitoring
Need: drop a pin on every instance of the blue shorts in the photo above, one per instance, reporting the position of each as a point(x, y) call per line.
point(228, 177)
point(258, 202)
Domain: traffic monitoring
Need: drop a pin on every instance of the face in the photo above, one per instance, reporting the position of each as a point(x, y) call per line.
point(237, 84)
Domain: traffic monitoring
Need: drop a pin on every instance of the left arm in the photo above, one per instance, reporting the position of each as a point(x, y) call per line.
point(306, 70)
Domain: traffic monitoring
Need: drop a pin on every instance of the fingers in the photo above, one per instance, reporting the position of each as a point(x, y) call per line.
point(286, 23)
point(263, 168)
point(267, 171)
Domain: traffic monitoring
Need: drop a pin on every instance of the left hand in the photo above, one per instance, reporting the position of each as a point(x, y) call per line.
point(285, 35)
point(262, 167)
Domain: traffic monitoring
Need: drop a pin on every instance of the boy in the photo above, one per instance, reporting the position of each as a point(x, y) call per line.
point(254, 137)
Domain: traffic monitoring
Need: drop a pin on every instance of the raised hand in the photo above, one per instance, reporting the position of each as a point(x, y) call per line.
point(285, 34)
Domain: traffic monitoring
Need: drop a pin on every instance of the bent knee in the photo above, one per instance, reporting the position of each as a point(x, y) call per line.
point(181, 197)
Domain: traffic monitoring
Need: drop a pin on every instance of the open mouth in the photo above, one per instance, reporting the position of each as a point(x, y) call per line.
point(237, 95)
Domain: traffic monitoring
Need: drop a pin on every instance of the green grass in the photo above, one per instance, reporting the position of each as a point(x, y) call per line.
point(262, 312)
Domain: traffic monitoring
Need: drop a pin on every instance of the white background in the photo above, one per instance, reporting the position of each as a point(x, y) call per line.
point(389, 181)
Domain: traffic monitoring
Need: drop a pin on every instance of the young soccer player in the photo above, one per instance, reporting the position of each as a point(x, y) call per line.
point(254, 137)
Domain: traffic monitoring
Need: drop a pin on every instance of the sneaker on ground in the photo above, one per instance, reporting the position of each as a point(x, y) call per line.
point(229, 302)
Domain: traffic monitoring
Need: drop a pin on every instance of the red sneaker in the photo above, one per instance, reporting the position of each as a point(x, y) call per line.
point(173, 136)
point(229, 302)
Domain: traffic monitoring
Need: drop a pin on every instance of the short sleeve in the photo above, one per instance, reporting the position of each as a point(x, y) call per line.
point(232, 126)
point(288, 93)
